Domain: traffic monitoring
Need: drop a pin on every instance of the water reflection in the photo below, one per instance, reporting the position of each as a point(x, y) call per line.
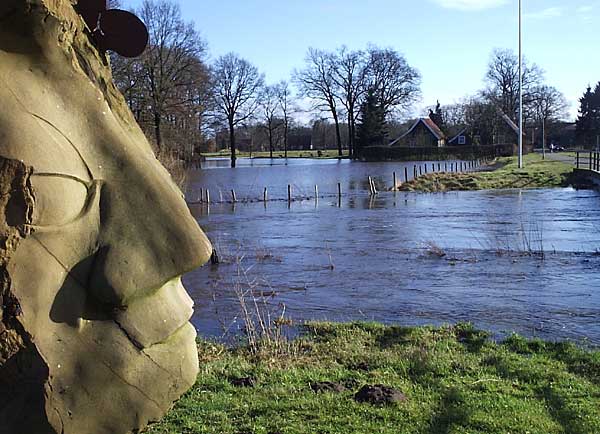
point(252, 176)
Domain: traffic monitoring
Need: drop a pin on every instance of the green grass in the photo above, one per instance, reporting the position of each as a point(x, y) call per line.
point(537, 173)
point(327, 153)
point(455, 379)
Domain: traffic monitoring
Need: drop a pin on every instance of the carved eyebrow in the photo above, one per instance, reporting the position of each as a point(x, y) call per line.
point(68, 140)
point(47, 122)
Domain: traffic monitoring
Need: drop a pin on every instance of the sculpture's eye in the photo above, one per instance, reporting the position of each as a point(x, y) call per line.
point(59, 199)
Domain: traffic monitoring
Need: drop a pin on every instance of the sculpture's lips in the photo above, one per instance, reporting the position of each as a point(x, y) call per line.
point(153, 319)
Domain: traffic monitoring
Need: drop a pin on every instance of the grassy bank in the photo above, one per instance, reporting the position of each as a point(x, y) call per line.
point(328, 153)
point(537, 173)
point(453, 378)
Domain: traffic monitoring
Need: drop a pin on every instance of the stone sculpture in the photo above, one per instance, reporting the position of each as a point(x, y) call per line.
point(94, 236)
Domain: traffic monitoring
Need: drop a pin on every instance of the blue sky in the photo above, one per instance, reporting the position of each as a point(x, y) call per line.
point(448, 41)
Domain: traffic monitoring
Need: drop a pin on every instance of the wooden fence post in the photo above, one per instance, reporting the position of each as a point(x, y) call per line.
point(207, 195)
point(289, 193)
point(405, 174)
point(265, 195)
point(394, 187)
point(372, 187)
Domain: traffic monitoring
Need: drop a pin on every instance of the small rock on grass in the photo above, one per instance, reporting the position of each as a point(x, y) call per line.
point(362, 366)
point(243, 382)
point(327, 386)
point(379, 395)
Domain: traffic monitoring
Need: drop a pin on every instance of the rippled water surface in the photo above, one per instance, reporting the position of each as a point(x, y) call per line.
point(523, 261)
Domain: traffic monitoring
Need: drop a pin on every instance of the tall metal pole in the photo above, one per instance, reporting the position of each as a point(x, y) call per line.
point(520, 86)
point(543, 138)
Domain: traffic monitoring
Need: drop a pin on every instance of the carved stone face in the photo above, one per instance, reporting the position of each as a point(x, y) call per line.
point(94, 236)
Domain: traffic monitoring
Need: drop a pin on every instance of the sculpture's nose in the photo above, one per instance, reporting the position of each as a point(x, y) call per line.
point(147, 236)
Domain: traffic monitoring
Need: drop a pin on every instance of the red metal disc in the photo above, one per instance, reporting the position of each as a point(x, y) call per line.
point(122, 32)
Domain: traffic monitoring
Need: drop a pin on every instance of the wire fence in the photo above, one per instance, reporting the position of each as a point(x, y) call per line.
point(294, 192)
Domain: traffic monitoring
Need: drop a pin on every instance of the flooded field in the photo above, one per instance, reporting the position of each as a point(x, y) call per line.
point(522, 261)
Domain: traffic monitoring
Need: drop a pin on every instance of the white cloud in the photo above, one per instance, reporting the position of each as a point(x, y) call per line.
point(545, 14)
point(470, 5)
point(585, 9)
point(585, 12)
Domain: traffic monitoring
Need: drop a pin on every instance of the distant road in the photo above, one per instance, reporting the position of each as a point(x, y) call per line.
point(563, 157)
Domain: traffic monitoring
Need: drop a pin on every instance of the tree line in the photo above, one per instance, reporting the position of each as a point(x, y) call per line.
point(543, 105)
point(180, 99)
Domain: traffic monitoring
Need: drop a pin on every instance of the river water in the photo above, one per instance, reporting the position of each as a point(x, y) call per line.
point(524, 261)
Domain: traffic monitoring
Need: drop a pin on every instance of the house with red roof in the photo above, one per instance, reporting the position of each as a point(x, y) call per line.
point(423, 133)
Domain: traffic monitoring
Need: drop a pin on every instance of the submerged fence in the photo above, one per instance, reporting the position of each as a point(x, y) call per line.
point(294, 193)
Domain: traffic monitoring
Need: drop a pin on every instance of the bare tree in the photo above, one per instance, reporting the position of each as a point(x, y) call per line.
point(168, 86)
point(271, 122)
point(237, 85)
point(287, 108)
point(454, 115)
point(502, 77)
point(483, 118)
point(316, 82)
point(349, 72)
point(549, 105)
point(172, 60)
point(393, 80)
point(129, 77)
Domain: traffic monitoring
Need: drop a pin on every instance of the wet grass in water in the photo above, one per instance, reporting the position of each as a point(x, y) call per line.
point(455, 379)
point(537, 173)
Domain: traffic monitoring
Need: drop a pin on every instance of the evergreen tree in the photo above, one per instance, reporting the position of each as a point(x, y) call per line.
point(371, 130)
point(588, 121)
point(437, 116)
